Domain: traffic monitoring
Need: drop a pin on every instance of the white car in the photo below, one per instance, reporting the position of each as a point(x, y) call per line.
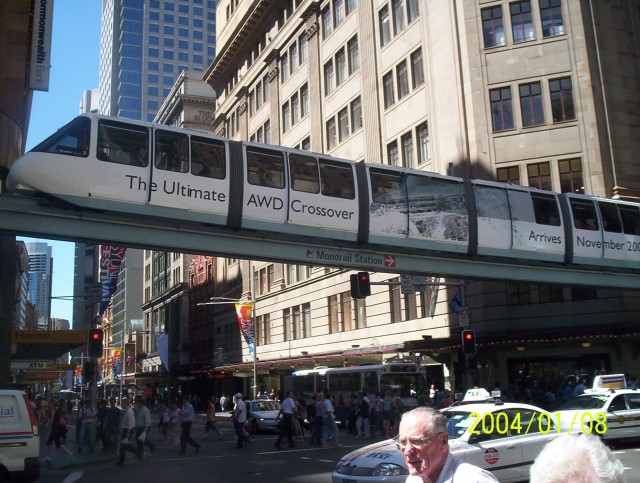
point(261, 415)
point(612, 414)
point(19, 439)
point(503, 438)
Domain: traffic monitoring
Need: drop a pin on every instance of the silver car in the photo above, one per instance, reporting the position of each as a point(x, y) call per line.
point(261, 415)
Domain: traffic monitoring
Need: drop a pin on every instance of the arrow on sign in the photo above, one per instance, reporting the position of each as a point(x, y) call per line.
point(389, 261)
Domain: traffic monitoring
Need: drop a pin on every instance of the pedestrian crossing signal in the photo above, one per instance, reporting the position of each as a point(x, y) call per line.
point(360, 285)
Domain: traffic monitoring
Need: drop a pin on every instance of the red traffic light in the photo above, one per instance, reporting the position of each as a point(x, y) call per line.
point(95, 335)
point(469, 342)
point(94, 342)
point(360, 285)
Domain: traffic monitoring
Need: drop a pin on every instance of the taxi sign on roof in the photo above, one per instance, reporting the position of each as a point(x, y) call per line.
point(477, 394)
point(610, 381)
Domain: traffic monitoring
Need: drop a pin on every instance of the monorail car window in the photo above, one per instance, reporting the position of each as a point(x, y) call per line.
point(303, 171)
point(123, 143)
point(610, 217)
point(492, 202)
point(337, 179)
point(208, 158)
point(521, 206)
point(171, 151)
point(545, 209)
point(387, 187)
point(630, 219)
point(71, 140)
point(584, 214)
point(265, 167)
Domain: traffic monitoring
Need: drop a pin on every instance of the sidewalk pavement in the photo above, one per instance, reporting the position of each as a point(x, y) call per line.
point(60, 459)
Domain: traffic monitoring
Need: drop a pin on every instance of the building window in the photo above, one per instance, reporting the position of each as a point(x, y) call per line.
point(385, 26)
point(392, 153)
point(531, 104)
point(501, 109)
point(417, 69)
point(387, 83)
point(509, 175)
point(285, 117)
point(331, 133)
point(338, 12)
point(398, 16)
point(328, 78)
point(327, 25)
point(551, 18)
point(540, 175)
point(412, 10)
point(493, 27)
point(343, 125)
point(303, 41)
point(550, 293)
point(354, 61)
point(403, 79)
point(571, 180)
point(561, 92)
point(521, 21)
point(293, 57)
point(284, 66)
point(304, 100)
point(422, 134)
point(341, 67)
point(356, 114)
point(340, 313)
point(295, 109)
point(407, 150)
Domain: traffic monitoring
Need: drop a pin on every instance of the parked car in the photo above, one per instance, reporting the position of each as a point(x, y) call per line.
point(506, 445)
point(261, 415)
point(19, 438)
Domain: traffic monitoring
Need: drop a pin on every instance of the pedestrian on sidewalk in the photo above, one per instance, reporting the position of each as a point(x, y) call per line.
point(143, 427)
point(175, 425)
point(239, 418)
point(188, 414)
point(58, 431)
point(111, 426)
point(210, 420)
point(363, 424)
point(163, 423)
point(88, 415)
point(128, 433)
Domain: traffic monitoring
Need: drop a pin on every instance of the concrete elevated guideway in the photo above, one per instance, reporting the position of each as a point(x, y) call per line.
point(29, 216)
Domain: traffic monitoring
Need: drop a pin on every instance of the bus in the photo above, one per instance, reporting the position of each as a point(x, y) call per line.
point(343, 383)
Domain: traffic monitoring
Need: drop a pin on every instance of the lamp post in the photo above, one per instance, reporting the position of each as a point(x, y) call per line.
point(252, 302)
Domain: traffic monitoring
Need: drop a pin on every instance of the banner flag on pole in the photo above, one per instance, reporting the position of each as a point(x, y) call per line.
point(245, 322)
point(110, 260)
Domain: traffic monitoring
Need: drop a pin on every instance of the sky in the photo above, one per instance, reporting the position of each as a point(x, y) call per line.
point(75, 61)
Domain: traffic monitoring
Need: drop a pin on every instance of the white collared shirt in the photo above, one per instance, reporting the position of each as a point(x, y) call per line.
point(456, 470)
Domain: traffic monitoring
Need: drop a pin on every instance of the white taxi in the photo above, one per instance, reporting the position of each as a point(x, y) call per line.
point(503, 438)
point(612, 414)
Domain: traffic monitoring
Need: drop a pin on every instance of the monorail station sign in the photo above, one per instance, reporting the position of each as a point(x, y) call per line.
point(35, 346)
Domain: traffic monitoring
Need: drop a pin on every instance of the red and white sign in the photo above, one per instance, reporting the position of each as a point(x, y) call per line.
point(389, 261)
point(491, 456)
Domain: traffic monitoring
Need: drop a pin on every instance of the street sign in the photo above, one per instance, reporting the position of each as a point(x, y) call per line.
point(406, 283)
point(463, 317)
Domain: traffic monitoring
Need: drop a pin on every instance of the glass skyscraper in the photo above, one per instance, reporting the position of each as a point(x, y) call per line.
point(40, 271)
point(145, 46)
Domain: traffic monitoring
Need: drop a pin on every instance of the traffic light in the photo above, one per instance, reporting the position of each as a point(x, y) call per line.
point(469, 342)
point(360, 285)
point(95, 342)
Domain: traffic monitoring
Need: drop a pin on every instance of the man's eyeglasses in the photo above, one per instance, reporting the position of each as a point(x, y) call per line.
point(417, 443)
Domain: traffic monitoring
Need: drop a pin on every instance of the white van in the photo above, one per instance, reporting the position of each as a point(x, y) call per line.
point(19, 439)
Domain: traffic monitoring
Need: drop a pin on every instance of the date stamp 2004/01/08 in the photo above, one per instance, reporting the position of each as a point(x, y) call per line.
point(502, 423)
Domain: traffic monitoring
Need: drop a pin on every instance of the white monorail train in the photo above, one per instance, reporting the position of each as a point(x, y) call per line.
point(154, 170)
